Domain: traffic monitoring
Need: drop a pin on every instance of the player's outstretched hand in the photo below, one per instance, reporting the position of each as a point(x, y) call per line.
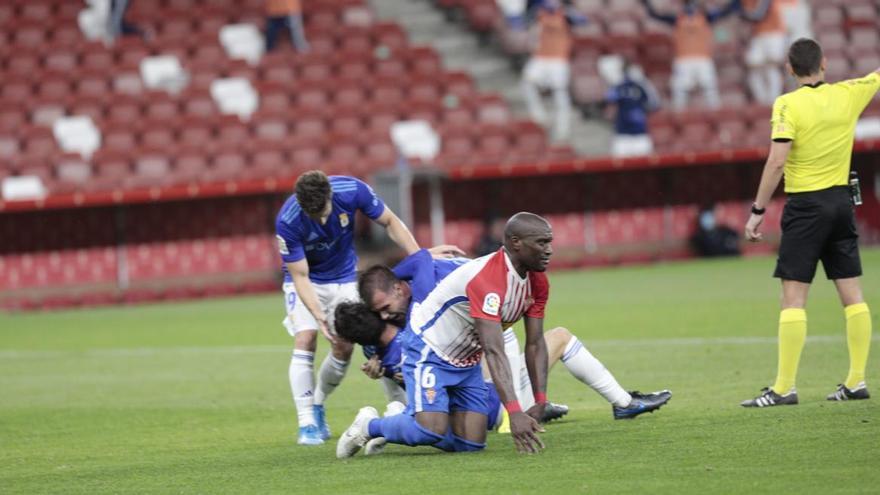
point(446, 251)
point(325, 329)
point(752, 225)
point(524, 430)
point(373, 368)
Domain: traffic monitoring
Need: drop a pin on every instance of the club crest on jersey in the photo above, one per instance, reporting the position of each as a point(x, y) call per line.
point(492, 304)
point(343, 219)
point(282, 245)
point(430, 395)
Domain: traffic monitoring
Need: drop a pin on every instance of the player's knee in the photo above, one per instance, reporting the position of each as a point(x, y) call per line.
point(342, 350)
point(559, 334)
point(465, 445)
point(306, 340)
point(436, 423)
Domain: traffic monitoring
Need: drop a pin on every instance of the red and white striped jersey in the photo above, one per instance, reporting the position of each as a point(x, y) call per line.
point(489, 288)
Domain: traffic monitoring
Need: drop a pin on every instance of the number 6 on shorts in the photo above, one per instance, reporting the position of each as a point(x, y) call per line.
point(428, 378)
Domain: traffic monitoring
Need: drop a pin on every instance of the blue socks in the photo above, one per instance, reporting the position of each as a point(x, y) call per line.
point(404, 429)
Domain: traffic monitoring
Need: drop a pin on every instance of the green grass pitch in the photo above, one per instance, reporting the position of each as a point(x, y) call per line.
point(193, 398)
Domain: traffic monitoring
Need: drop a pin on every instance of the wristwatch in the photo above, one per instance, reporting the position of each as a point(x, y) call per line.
point(758, 211)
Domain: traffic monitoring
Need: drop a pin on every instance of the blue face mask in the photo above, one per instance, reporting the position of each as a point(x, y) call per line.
point(707, 220)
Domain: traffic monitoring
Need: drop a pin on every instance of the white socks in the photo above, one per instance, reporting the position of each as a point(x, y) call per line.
point(511, 350)
point(586, 368)
point(393, 391)
point(522, 384)
point(302, 385)
point(329, 377)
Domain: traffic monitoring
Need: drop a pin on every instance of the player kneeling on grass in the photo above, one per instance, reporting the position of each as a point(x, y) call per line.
point(382, 343)
point(448, 332)
point(390, 294)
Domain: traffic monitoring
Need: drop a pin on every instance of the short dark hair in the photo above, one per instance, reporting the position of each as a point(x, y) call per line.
point(805, 57)
point(375, 277)
point(312, 192)
point(355, 323)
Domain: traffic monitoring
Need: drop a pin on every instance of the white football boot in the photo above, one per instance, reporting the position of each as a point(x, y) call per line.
point(377, 445)
point(356, 435)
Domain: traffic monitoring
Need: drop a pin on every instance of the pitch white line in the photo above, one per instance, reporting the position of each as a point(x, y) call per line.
point(280, 349)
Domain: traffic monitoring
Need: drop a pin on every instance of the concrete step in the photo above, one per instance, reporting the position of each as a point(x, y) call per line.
point(491, 69)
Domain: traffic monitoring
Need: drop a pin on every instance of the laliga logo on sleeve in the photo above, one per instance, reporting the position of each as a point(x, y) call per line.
point(282, 245)
point(491, 304)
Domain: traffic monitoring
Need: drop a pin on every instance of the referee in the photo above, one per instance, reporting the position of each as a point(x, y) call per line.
point(812, 133)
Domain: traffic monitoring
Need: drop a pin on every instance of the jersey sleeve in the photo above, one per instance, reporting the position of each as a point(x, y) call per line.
point(486, 290)
point(418, 270)
point(540, 292)
point(289, 244)
point(781, 122)
point(367, 201)
point(862, 90)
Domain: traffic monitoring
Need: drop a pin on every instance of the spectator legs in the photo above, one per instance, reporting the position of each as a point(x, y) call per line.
point(554, 74)
point(530, 89)
point(297, 33)
point(563, 113)
point(273, 25)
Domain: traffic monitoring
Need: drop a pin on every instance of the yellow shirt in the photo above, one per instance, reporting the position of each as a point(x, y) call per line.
point(821, 122)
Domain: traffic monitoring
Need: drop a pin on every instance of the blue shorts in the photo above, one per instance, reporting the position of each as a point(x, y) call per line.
point(434, 385)
point(494, 404)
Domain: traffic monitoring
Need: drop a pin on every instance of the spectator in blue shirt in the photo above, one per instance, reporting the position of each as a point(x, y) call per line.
point(634, 98)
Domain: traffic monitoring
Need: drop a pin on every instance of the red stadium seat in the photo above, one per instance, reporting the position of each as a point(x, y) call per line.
point(93, 107)
point(60, 61)
point(155, 135)
point(228, 164)
point(189, 166)
point(199, 104)
point(310, 124)
point(389, 35)
point(111, 169)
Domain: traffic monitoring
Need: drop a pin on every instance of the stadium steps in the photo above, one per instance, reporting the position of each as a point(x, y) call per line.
point(461, 49)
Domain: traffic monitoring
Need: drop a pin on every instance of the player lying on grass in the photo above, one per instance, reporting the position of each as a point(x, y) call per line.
point(389, 293)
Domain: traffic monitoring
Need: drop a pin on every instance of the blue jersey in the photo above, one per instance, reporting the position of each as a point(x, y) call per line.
point(328, 248)
point(423, 273)
point(632, 107)
point(390, 356)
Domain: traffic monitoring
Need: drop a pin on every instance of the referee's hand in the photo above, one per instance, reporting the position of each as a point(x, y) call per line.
point(752, 234)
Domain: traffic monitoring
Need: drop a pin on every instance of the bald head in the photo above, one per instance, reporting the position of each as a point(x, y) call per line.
point(527, 240)
point(525, 224)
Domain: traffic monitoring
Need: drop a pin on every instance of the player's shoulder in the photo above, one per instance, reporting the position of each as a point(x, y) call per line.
point(491, 268)
point(347, 190)
point(539, 279)
point(290, 211)
point(345, 186)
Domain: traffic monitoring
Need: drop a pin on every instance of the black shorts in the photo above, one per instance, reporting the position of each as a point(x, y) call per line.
point(819, 225)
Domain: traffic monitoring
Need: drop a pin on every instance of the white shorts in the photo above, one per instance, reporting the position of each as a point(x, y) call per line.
point(548, 73)
point(631, 145)
point(766, 49)
point(299, 317)
point(798, 21)
point(690, 72)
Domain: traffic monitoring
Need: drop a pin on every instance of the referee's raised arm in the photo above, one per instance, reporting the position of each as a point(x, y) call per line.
point(812, 133)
